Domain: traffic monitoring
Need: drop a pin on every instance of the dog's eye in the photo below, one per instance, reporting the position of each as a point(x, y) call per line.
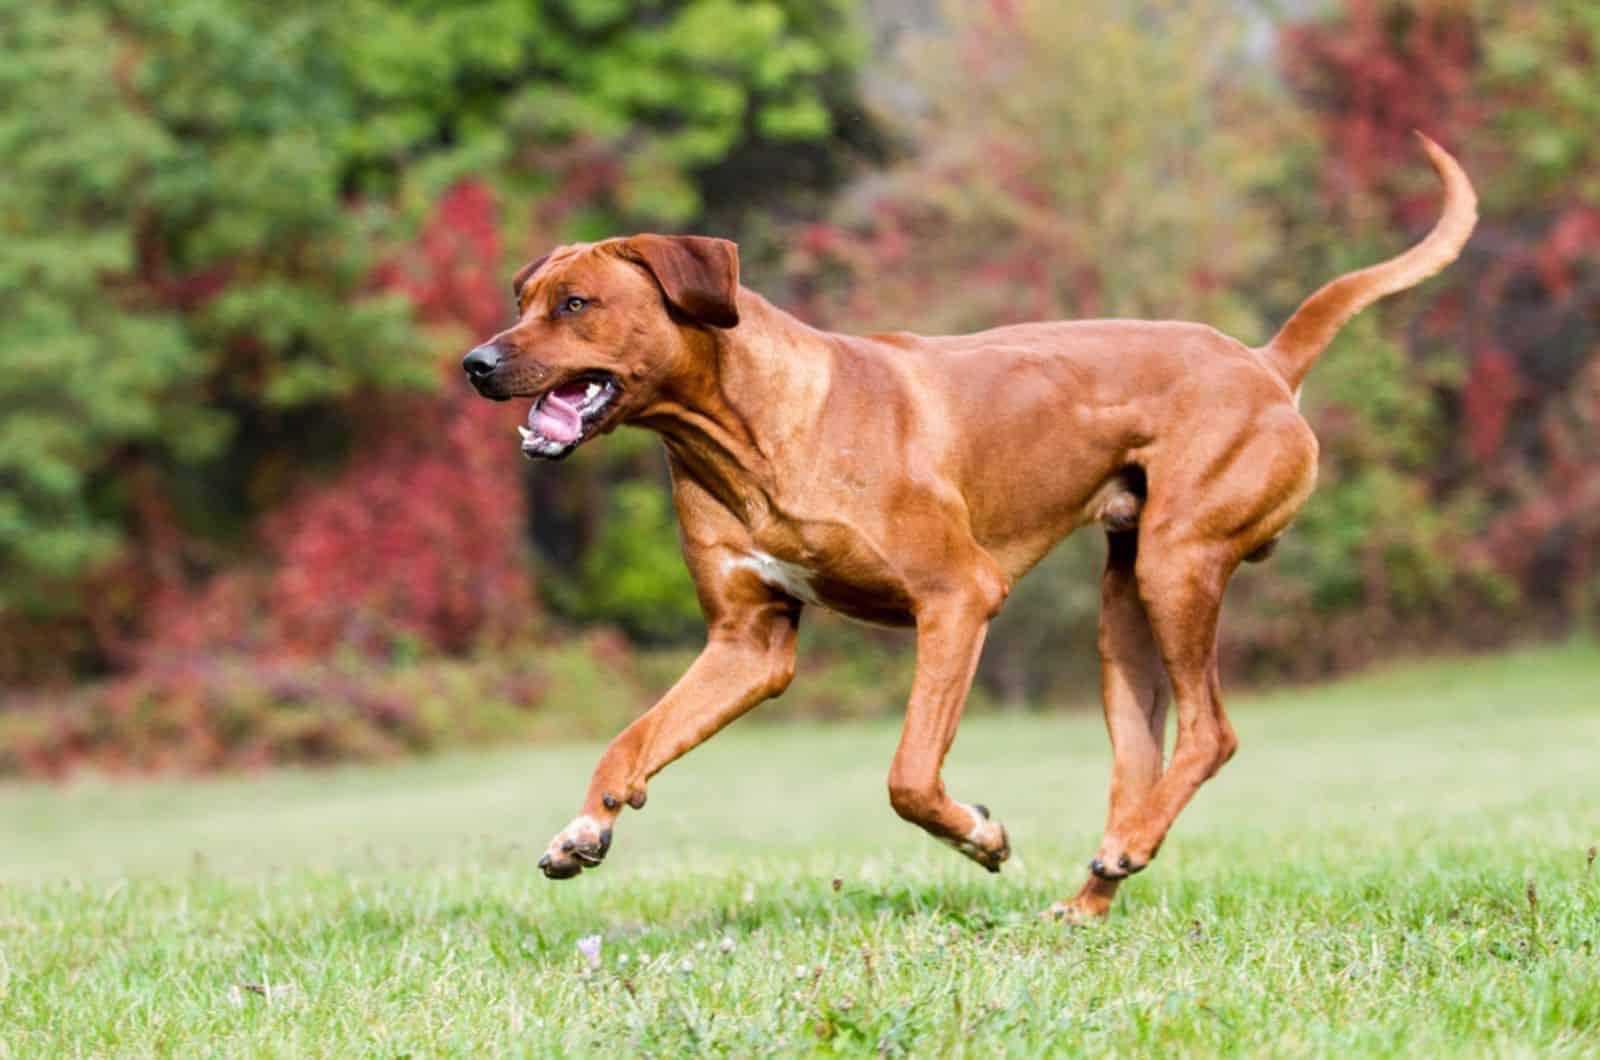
point(574, 304)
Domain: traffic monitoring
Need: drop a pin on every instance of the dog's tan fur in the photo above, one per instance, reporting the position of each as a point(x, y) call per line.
point(911, 481)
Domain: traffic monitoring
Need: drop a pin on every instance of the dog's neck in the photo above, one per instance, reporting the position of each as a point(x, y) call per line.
point(728, 449)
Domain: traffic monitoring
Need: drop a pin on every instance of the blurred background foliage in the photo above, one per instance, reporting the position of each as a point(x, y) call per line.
point(249, 513)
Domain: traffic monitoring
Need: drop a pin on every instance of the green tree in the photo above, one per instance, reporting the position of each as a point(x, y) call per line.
point(179, 269)
point(671, 89)
point(206, 224)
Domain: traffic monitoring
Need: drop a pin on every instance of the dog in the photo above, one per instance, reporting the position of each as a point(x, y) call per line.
point(910, 481)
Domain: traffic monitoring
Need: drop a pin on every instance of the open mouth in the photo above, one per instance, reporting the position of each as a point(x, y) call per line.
point(561, 418)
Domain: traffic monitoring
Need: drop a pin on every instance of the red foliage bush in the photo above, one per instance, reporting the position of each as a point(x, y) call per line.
point(421, 536)
point(1524, 302)
point(414, 548)
point(1379, 72)
point(195, 714)
point(417, 541)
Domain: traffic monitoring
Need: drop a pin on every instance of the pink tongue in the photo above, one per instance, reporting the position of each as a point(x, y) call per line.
point(556, 417)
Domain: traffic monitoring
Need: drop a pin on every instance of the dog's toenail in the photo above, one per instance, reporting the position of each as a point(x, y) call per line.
point(605, 842)
point(636, 800)
point(981, 810)
point(1097, 866)
point(544, 862)
point(569, 846)
point(1124, 863)
point(609, 801)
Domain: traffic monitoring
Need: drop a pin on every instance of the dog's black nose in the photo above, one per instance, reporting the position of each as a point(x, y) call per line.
point(481, 361)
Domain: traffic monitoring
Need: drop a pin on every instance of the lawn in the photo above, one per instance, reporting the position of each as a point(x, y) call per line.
point(1393, 865)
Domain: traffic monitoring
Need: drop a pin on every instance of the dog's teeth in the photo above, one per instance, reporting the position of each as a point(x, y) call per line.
point(594, 388)
point(525, 432)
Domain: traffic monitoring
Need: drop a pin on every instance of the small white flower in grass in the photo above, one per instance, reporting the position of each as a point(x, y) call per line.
point(686, 967)
point(622, 958)
point(589, 946)
point(726, 945)
point(801, 971)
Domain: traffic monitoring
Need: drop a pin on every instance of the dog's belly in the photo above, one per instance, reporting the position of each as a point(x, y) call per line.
point(865, 599)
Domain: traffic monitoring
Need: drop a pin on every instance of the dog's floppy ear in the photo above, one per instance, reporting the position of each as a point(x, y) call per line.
point(523, 275)
point(698, 274)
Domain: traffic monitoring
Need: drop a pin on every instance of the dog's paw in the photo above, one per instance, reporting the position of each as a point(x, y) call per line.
point(1117, 859)
point(1090, 905)
point(581, 845)
point(1077, 912)
point(986, 842)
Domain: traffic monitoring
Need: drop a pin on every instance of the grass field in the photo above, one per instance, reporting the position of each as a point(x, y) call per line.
point(1356, 882)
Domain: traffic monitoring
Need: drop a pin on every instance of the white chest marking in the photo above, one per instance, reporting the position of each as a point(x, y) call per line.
point(790, 577)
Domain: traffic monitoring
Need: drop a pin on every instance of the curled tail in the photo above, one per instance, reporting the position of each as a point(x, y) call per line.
point(1320, 317)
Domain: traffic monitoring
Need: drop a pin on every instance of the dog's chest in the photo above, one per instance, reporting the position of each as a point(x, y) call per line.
point(782, 575)
point(863, 594)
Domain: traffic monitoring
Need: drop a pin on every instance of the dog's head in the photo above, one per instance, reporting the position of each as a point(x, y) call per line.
point(600, 327)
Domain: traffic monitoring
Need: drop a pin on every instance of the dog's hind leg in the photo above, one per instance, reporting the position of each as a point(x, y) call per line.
point(1134, 688)
point(1182, 593)
point(1208, 508)
point(950, 636)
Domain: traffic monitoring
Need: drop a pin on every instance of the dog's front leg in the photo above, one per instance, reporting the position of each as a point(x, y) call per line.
point(949, 639)
point(748, 657)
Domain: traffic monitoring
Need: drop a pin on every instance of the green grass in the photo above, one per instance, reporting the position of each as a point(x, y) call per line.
point(1355, 882)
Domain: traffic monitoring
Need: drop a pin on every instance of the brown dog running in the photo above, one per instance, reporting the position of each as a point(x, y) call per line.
point(911, 481)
